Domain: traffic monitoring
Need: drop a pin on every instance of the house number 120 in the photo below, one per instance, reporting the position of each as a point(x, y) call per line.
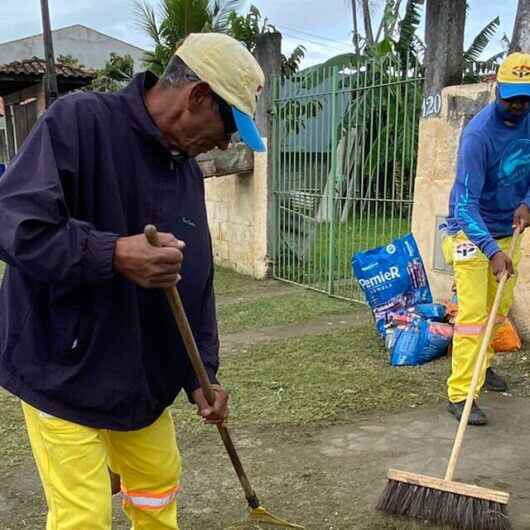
point(431, 105)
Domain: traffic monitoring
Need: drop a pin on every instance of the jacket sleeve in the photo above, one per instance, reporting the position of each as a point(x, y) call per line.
point(207, 338)
point(39, 236)
point(470, 178)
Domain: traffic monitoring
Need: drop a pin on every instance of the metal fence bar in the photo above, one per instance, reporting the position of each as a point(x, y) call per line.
point(274, 153)
point(395, 165)
point(357, 173)
point(283, 186)
point(312, 186)
point(403, 145)
point(322, 269)
point(344, 155)
point(332, 181)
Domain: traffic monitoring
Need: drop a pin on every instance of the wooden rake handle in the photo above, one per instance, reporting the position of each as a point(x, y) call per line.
point(184, 328)
point(479, 365)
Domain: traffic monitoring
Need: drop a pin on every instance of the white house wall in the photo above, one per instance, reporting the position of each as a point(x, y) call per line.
point(91, 47)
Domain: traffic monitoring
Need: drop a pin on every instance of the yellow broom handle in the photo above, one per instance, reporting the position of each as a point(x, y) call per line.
point(479, 365)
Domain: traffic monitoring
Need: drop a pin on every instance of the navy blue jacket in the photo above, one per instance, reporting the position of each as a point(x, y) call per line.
point(77, 340)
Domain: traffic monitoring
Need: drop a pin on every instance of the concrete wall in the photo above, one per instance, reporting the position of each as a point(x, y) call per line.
point(91, 47)
point(438, 147)
point(237, 214)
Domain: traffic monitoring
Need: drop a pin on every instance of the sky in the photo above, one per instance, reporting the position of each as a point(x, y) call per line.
point(322, 26)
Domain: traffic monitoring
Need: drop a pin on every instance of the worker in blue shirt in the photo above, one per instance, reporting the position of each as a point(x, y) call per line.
point(87, 339)
point(490, 196)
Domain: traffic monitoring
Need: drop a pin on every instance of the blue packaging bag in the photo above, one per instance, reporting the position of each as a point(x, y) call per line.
point(407, 341)
point(436, 312)
point(392, 278)
point(419, 342)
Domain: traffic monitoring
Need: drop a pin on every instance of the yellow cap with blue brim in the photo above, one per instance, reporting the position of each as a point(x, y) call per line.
point(232, 73)
point(513, 77)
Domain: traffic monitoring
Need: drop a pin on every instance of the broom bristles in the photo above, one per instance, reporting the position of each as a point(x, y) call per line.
point(442, 507)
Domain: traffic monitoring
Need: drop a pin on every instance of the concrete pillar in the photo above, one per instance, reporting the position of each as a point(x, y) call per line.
point(268, 53)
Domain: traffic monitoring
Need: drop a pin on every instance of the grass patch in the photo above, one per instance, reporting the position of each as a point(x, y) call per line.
point(299, 306)
point(14, 444)
point(2, 269)
point(334, 378)
point(323, 245)
point(324, 379)
point(230, 283)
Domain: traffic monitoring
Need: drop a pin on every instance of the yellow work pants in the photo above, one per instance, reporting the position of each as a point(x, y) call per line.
point(475, 287)
point(72, 462)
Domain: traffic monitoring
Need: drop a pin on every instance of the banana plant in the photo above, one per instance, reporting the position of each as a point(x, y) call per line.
point(474, 65)
point(395, 55)
point(172, 20)
point(247, 28)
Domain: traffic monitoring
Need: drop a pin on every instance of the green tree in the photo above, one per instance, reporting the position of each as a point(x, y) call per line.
point(69, 60)
point(172, 20)
point(388, 56)
point(397, 34)
point(247, 28)
point(473, 64)
point(118, 71)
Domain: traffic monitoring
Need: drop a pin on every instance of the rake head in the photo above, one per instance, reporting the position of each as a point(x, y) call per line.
point(259, 517)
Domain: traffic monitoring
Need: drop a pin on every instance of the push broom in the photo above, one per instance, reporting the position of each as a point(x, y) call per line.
point(258, 514)
point(445, 501)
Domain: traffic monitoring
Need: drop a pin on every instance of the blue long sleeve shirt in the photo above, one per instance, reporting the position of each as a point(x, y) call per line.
point(492, 179)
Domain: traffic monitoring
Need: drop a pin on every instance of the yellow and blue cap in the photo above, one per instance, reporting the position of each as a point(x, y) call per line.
point(513, 77)
point(232, 73)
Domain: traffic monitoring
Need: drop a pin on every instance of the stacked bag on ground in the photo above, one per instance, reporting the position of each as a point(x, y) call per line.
point(395, 285)
point(392, 279)
point(418, 335)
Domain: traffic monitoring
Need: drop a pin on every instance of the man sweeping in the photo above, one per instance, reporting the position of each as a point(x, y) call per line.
point(490, 196)
point(87, 339)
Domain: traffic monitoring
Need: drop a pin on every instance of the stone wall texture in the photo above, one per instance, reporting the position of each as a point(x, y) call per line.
point(237, 215)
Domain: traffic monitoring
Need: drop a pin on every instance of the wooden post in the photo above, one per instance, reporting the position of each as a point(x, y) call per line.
point(444, 59)
point(10, 130)
point(52, 92)
point(268, 53)
point(368, 23)
point(521, 29)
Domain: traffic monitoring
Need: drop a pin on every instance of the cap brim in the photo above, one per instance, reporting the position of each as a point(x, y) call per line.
point(248, 130)
point(512, 90)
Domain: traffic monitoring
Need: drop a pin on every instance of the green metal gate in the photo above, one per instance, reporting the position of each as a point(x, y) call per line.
point(344, 156)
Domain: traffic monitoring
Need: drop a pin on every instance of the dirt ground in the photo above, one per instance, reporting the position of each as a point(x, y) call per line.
point(325, 478)
point(324, 474)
